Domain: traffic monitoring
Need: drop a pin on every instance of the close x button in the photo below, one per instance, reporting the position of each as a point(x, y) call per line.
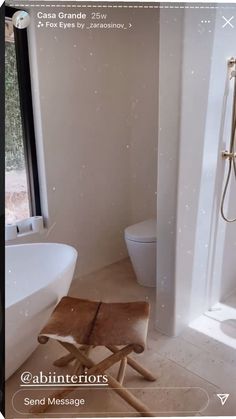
point(228, 22)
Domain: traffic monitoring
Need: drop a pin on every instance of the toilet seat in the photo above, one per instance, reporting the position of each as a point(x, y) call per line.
point(144, 232)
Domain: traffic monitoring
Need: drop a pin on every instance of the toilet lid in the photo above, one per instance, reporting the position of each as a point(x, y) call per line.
point(144, 232)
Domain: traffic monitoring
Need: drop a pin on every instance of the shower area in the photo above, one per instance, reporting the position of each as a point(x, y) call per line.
point(197, 209)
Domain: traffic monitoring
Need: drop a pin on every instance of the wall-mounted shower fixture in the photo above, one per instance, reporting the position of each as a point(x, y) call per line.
point(230, 154)
point(231, 62)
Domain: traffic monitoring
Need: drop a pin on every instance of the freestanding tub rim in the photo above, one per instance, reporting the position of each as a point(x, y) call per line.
point(31, 291)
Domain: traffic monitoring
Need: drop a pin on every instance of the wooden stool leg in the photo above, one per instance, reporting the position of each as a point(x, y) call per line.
point(86, 353)
point(78, 369)
point(135, 365)
point(77, 366)
point(129, 397)
point(121, 372)
point(112, 382)
point(64, 360)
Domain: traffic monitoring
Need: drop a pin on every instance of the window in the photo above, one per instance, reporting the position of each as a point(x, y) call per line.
point(21, 186)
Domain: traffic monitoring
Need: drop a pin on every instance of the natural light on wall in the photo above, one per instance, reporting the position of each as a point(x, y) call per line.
point(16, 194)
point(218, 324)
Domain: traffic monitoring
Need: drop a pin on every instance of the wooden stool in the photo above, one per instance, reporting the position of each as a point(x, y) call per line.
point(80, 325)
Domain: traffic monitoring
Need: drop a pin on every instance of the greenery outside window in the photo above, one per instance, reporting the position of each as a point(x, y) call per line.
point(21, 186)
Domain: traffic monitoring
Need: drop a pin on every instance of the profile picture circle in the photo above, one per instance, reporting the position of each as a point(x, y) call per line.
point(21, 19)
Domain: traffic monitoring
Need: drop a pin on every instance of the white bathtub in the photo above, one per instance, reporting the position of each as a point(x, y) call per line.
point(37, 276)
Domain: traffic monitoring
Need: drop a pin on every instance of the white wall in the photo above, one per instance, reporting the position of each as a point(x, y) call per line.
point(192, 238)
point(143, 119)
point(95, 98)
point(197, 264)
point(170, 59)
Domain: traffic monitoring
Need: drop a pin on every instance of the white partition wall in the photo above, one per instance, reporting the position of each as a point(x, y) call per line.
point(195, 247)
point(170, 62)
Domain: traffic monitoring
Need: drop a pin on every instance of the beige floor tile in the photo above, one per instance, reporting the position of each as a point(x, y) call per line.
point(176, 382)
point(214, 370)
point(112, 283)
point(175, 349)
point(180, 364)
point(213, 339)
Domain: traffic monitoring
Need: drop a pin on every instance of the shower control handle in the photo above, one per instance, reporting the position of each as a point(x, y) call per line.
point(227, 155)
point(231, 61)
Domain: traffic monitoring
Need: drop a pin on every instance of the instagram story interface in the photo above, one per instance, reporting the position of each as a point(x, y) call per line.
point(120, 209)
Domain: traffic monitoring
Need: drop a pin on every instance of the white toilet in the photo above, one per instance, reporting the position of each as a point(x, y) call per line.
point(141, 244)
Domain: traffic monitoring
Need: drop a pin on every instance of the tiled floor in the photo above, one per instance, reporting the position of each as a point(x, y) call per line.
point(191, 369)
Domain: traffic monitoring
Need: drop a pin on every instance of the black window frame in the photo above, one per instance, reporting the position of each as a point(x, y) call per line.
point(27, 117)
point(2, 215)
